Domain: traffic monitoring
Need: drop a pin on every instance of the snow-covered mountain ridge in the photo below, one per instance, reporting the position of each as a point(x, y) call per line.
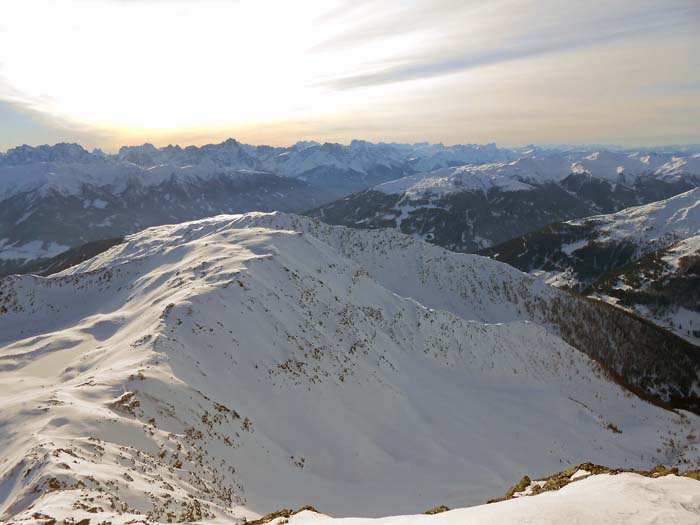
point(578, 247)
point(631, 258)
point(97, 196)
point(493, 195)
point(470, 208)
point(68, 166)
point(514, 176)
point(230, 366)
point(663, 286)
point(472, 287)
point(42, 223)
point(652, 226)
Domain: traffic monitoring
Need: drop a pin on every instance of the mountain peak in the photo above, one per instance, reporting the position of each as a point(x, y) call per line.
point(61, 152)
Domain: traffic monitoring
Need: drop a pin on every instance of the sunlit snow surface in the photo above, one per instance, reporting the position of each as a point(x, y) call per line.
point(601, 500)
point(651, 226)
point(514, 176)
point(236, 365)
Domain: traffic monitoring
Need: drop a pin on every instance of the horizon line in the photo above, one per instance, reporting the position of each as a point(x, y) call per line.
point(554, 145)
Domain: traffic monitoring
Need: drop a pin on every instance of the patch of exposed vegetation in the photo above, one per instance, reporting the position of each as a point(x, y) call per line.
point(437, 510)
point(563, 478)
point(283, 513)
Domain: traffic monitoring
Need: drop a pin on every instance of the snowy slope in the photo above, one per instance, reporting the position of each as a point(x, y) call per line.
point(613, 165)
point(450, 180)
point(477, 288)
point(506, 176)
point(511, 176)
point(302, 158)
point(469, 286)
point(651, 226)
point(582, 251)
point(474, 207)
point(631, 259)
point(98, 196)
point(428, 157)
point(684, 249)
point(606, 500)
point(113, 176)
point(221, 368)
point(663, 286)
point(679, 165)
point(64, 205)
point(68, 166)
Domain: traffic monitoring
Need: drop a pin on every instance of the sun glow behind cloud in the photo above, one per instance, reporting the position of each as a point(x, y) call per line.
point(138, 64)
point(279, 71)
point(188, 65)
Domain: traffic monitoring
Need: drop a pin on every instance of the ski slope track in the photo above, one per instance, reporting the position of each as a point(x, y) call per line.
point(220, 369)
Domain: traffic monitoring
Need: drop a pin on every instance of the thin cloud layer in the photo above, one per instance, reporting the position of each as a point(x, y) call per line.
point(515, 30)
point(267, 71)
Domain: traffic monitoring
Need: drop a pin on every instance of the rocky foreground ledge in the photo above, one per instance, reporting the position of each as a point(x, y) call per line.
point(586, 493)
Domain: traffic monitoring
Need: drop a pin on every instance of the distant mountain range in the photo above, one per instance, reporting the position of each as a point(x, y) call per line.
point(464, 197)
point(57, 197)
point(341, 168)
point(470, 208)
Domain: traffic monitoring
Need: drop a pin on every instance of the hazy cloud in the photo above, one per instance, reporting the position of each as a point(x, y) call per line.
point(107, 72)
point(559, 30)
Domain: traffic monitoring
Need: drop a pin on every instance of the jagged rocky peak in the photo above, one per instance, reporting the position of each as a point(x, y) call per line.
point(62, 152)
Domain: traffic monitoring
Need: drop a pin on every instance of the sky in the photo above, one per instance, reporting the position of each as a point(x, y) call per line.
point(106, 73)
